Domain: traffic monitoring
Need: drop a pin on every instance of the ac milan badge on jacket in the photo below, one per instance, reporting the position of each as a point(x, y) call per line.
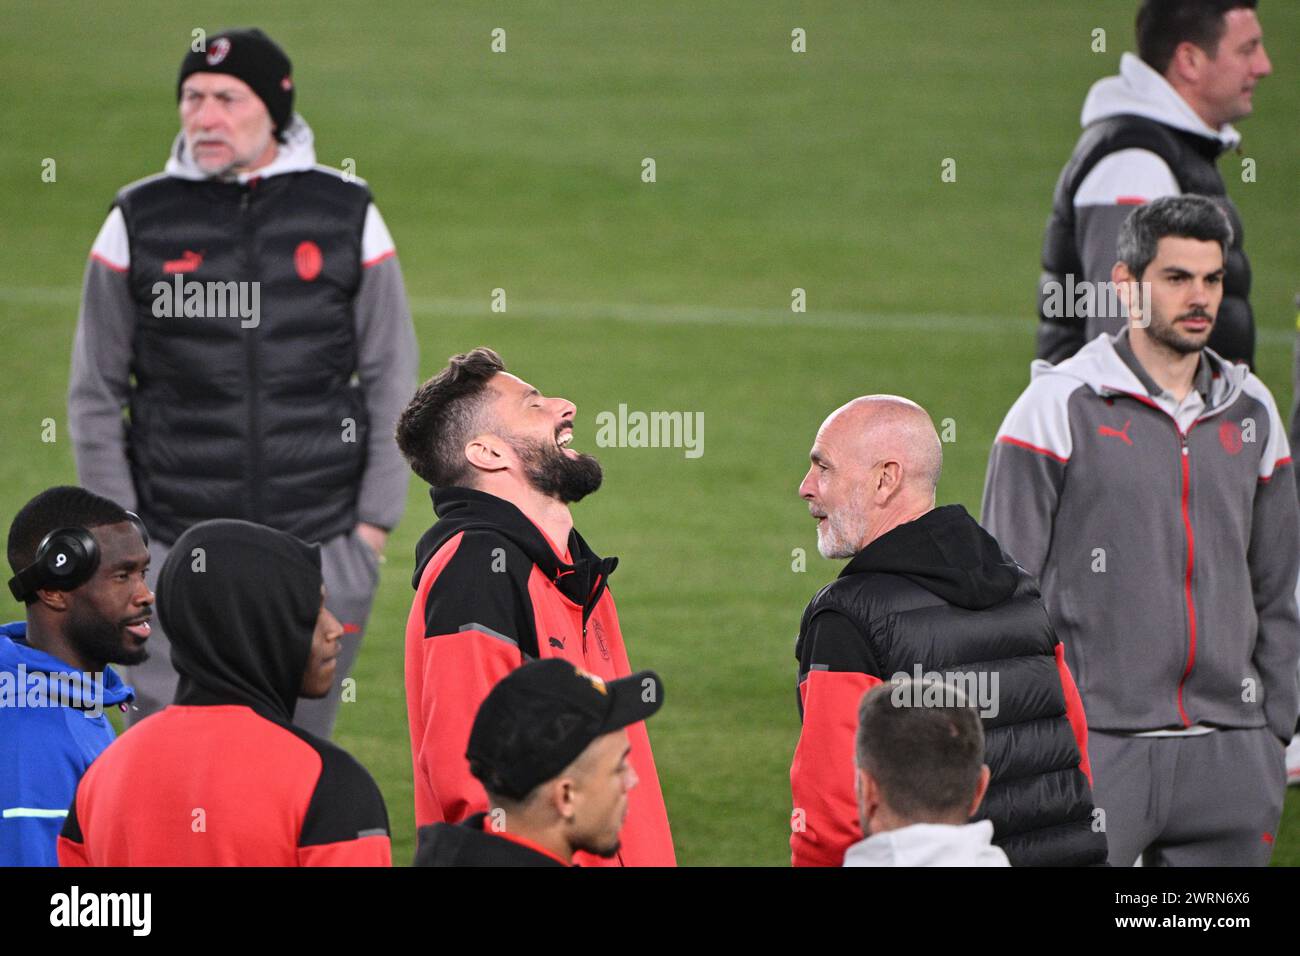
point(307, 260)
point(1230, 437)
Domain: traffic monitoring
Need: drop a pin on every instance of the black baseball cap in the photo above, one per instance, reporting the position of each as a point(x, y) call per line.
point(540, 717)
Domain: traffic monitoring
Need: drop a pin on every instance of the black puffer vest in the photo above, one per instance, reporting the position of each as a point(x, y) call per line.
point(237, 417)
point(940, 592)
point(1191, 158)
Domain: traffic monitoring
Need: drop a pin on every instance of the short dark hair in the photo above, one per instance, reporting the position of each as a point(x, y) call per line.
point(64, 506)
point(1163, 24)
point(1187, 217)
point(926, 759)
point(498, 792)
point(443, 415)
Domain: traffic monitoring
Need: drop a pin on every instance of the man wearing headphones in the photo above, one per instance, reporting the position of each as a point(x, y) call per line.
point(79, 565)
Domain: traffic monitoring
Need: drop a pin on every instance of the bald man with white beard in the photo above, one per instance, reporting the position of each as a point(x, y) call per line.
point(928, 592)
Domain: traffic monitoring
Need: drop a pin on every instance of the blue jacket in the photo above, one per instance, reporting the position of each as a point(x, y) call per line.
point(45, 746)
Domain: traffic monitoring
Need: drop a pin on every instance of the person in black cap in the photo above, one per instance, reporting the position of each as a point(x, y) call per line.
point(550, 748)
point(246, 308)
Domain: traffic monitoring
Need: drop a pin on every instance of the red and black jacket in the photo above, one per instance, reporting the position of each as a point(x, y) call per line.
point(491, 592)
point(471, 843)
point(222, 777)
point(938, 592)
point(222, 785)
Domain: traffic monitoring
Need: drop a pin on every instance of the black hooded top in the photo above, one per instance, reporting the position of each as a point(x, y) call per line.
point(948, 554)
point(239, 603)
point(939, 592)
point(469, 843)
point(582, 581)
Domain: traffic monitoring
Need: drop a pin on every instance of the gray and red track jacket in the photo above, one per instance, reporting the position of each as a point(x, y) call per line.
point(1167, 557)
point(491, 592)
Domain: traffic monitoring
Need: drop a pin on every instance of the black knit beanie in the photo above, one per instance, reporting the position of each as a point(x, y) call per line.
point(253, 57)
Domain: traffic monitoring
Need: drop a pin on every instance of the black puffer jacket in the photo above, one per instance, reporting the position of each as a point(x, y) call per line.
point(939, 592)
point(249, 419)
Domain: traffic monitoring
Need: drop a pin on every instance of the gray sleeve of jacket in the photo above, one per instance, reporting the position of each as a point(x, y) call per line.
point(1113, 188)
point(1295, 389)
point(388, 362)
point(1274, 558)
point(99, 383)
point(1026, 473)
point(1058, 337)
point(1096, 237)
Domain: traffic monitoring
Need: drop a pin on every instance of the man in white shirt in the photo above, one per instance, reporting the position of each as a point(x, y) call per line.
point(920, 778)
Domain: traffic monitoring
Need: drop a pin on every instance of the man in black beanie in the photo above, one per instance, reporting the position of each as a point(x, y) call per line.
point(246, 309)
point(250, 80)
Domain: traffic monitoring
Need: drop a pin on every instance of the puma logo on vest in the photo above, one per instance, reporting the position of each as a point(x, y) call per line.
point(1121, 434)
point(188, 262)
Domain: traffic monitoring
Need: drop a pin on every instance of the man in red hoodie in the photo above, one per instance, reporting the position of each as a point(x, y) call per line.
point(223, 777)
point(503, 578)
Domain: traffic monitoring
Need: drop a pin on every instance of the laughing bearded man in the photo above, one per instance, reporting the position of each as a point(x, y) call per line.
point(503, 578)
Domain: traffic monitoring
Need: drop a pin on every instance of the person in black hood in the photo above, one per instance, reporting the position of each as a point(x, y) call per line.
point(275, 638)
point(222, 777)
point(929, 595)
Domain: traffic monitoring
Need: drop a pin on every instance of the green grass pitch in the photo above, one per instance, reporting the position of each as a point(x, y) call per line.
point(522, 171)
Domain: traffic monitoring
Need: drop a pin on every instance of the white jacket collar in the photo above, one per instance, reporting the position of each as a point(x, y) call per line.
point(1142, 91)
point(1100, 367)
point(929, 844)
point(296, 154)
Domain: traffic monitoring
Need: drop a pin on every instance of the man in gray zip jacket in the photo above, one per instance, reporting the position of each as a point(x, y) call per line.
point(1148, 484)
point(1156, 129)
point(246, 308)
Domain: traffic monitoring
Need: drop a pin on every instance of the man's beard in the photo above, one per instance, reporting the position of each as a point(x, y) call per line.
point(226, 172)
point(834, 541)
point(1166, 333)
point(99, 639)
point(607, 852)
point(554, 473)
point(222, 172)
point(841, 534)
